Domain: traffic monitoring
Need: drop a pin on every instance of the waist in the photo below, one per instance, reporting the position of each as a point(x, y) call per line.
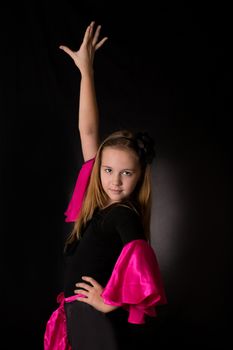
point(71, 298)
point(61, 299)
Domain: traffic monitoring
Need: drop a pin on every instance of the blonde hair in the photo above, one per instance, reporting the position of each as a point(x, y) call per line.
point(95, 197)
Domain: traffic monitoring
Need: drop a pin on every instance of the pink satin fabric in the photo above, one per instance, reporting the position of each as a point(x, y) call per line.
point(136, 283)
point(76, 201)
point(55, 336)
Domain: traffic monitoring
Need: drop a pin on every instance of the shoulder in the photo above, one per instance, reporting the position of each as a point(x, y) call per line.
point(122, 210)
point(126, 221)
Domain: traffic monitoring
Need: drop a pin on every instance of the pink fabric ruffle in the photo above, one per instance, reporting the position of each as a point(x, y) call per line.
point(76, 201)
point(55, 337)
point(136, 283)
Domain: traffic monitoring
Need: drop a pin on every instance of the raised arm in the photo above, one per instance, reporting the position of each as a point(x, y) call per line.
point(88, 118)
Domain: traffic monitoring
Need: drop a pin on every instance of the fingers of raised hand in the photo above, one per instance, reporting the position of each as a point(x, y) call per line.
point(95, 42)
point(96, 35)
point(68, 51)
point(88, 33)
point(101, 43)
point(93, 36)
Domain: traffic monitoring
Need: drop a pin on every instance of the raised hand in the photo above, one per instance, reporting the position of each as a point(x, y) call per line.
point(84, 57)
point(92, 294)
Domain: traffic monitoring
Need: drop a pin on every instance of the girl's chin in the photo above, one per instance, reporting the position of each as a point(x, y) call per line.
point(115, 198)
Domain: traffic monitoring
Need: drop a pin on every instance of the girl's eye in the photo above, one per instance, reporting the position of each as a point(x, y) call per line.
point(108, 171)
point(127, 173)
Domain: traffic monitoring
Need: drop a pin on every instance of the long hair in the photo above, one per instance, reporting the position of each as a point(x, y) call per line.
point(95, 197)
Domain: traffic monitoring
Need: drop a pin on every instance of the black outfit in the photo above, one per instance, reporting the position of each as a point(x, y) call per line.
point(95, 255)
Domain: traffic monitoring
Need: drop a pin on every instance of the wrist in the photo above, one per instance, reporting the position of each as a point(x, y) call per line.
point(87, 73)
point(109, 308)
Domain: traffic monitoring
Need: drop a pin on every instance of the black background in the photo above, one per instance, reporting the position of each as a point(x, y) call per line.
point(166, 68)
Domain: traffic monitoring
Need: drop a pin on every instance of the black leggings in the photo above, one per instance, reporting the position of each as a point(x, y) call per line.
point(90, 329)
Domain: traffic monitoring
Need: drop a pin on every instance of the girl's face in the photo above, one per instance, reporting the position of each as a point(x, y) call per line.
point(119, 173)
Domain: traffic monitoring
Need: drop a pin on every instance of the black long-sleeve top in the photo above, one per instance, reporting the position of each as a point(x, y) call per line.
point(96, 252)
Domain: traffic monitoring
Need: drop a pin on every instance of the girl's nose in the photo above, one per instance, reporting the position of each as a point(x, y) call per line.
point(116, 180)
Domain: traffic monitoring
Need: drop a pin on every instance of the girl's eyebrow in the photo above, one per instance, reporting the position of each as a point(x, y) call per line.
point(107, 166)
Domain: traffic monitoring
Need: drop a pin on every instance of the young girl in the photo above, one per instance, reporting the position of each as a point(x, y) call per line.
point(112, 278)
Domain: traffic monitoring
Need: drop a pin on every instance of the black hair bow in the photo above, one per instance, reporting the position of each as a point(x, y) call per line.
point(146, 146)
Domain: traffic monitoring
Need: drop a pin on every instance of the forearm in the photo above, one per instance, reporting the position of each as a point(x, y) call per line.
point(88, 118)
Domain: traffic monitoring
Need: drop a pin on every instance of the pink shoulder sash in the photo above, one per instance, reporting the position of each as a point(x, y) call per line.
point(81, 185)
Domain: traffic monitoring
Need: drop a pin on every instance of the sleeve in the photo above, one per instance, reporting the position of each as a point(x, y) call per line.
point(136, 283)
point(81, 185)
